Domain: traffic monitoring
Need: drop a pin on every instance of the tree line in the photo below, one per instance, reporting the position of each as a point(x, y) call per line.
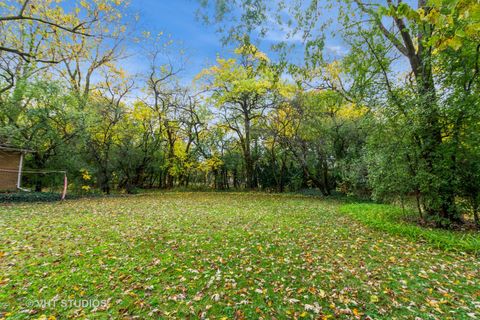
point(394, 117)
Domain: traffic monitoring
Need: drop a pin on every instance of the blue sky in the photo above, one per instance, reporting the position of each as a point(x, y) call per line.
point(177, 20)
point(201, 42)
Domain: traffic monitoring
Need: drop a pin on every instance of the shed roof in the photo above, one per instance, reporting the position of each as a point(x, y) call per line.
point(7, 147)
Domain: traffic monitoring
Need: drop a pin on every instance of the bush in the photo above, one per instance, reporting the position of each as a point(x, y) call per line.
point(29, 197)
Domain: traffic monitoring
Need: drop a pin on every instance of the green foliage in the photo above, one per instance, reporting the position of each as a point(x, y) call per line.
point(29, 197)
point(243, 90)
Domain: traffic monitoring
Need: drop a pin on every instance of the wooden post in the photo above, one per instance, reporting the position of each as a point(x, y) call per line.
point(65, 184)
point(20, 165)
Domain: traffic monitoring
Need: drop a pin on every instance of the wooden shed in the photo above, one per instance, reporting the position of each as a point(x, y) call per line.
point(11, 163)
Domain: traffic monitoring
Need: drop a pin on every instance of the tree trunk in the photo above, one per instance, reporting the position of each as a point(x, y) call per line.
point(281, 180)
point(171, 156)
point(325, 178)
point(249, 168)
point(442, 195)
point(437, 187)
point(39, 163)
point(247, 154)
point(235, 178)
point(225, 178)
point(104, 181)
point(439, 181)
point(475, 210)
point(419, 206)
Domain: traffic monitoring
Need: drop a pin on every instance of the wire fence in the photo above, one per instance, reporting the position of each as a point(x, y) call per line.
point(51, 181)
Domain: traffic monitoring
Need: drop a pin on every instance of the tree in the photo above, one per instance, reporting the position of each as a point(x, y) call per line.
point(54, 23)
point(45, 120)
point(139, 152)
point(439, 40)
point(35, 35)
point(165, 97)
point(323, 132)
point(104, 124)
point(419, 40)
point(243, 90)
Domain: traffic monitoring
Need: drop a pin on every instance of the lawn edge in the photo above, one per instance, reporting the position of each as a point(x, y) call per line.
point(387, 218)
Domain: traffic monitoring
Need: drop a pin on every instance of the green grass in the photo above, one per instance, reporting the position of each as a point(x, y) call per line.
point(222, 256)
point(394, 220)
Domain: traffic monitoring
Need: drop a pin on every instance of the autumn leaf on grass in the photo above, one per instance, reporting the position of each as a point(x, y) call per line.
point(322, 294)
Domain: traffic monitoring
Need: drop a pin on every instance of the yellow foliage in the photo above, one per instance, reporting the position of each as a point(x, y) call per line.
point(252, 52)
point(333, 70)
point(351, 111)
point(209, 164)
point(85, 174)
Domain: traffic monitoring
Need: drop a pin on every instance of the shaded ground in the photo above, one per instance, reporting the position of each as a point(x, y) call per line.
point(219, 256)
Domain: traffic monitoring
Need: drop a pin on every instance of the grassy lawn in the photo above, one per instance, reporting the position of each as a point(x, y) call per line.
point(221, 256)
point(394, 220)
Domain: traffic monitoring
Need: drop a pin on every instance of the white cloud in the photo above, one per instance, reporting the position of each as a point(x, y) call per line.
point(337, 50)
point(281, 32)
point(283, 35)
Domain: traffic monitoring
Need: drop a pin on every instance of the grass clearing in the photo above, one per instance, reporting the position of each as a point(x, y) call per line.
point(221, 255)
point(394, 220)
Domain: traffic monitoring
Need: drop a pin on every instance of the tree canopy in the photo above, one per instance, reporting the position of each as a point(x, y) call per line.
point(393, 118)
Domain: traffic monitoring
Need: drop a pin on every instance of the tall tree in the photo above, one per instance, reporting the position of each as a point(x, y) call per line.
point(243, 90)
point(379, 32)
point(104, 126)
point(54, 21)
